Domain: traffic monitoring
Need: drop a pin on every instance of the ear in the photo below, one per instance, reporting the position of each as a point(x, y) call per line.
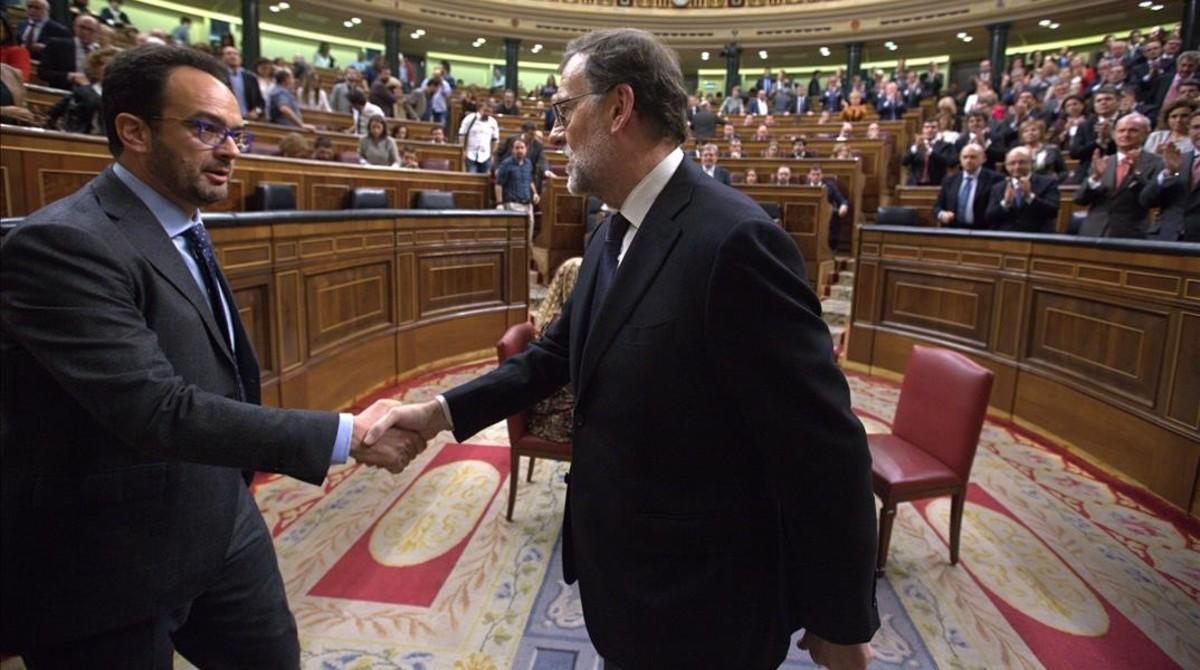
point(134, 133)
point(622, 110)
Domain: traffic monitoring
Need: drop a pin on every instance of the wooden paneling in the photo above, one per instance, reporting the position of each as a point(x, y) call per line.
point(1096, 343)
point(459, 281)
point(347, 302)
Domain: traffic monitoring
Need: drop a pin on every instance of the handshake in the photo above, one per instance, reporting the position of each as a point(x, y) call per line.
point(390, 434)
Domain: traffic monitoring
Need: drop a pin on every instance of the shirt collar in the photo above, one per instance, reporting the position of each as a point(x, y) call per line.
point(637, 204)
point(169, 216)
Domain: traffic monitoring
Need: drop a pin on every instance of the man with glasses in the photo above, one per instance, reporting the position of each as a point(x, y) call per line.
point(130, 404)
point(720, 488)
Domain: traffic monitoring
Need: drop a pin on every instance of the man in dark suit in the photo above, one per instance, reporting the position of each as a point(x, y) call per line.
point(1023, 202)
point(244, 85)
point(37, 28)
point(890, 105)
point(1121, 189)
point(833, 97)
point(927, 158)
point(708, 163)
point(839, 205)
point(704, 122)
point(63, 58)
point(963, 198)
point(1179, 218)
point(719, 482)
point(130, 409)
point(980, 131)
point(1097, 132)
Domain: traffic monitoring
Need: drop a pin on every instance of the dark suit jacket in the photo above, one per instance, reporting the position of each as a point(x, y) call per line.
point(947, 199)
point(58, 61)
point(669, 528)
point(915, 162)
point(1179, 218)
point(1122, 210)
point(720, 174)
point(77, 111)
point(704, 124)
point(831, 101)
point(50, 30)
point(889, 110)
point(254, 96)
point(1036, 215)
point(1086, 142)
point(123, 439)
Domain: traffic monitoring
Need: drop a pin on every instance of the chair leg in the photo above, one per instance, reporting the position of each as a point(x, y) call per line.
point(514, 473)
point(887, 514)
point(957, 501)
point(529, 476)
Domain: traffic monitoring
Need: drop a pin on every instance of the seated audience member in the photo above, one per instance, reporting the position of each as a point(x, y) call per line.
point(437, 135)
point(376, 148)
point(295, 145)
point(927, 158)
point(841, 206)
point(362, 111)
point(1189, 89)
point(800, 149)
point(12, 53)
point(400, 132)
point(856, 109)
point(962, 201)
point(311, 96)
point(13, 99)
point(80, 111)
point(409, 160)
point(1121, 189)
point(772, 150)
point(751, 176)
point(553, 418)
point(510, 106)
point(61, 62)
point(762, 133)
point(873, 131)
point(1024, 201)
point(1173, 126)
point(728, 132)
point(735, 148)
point(890, 105)
point(783, 175)
point(1179, 218)
point(845, 132)
point(282, 105)
point(323, 149)
point(708, 163)
point(842, 151)
point(1047, 158)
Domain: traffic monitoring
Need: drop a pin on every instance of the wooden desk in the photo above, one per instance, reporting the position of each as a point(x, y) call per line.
point(805, 214)
point(922, 198)
point(1092, 340)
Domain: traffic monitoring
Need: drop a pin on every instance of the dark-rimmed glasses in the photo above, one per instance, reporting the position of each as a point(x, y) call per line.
point(562, 115)
point(213, 135)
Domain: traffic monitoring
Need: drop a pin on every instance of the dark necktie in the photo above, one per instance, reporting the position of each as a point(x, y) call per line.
point(964, 200)
point(617, 227)
point(200, 247)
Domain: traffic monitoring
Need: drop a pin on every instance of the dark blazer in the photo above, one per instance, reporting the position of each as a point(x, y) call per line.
point(254, 96)
point(77, 112)
point(1048, 161)
point(123, 437)
point(50, 30)
point(890, 110)
point(1122, 210)
point(58, 61)
point(115, 19)
point(669, 529)
point(993, 152)
point(831, 100)
point(1086, 142)
point(704, 124)
point(1179, 218)
point(914, 159)
point(1036, 215)
point(834, 195)
point(720, 174)
point(947, 199)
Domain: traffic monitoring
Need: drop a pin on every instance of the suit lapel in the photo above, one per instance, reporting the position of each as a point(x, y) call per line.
point(651, 246)
point(138, 224)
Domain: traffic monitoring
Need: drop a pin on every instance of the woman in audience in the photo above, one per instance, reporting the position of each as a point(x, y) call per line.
point(295, 145)
point(1070, 118)
point(12, 99)
point(549, 88)
point(311, 95)
point(12, 53)
point(1173, 126)
point(400, 132)
point(1047, 158)
point(843, 151)
point(751, 176)
point(551, 419)
point(376, 148)
point(80, 111)
point(856, 109)
point(772, 150)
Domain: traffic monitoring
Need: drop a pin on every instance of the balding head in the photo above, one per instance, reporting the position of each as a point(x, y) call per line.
point(1018, 162)
point(1131, 132)
point(37, 10)
point(87, 28)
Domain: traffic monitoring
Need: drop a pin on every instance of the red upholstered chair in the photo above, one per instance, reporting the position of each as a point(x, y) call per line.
point(522, 443)
point(943, 402)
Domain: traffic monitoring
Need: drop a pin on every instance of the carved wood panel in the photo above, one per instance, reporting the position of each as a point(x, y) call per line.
point(954, 307)
point(254, 308)
point(1183, 400)
point(347, 302)
point(457, 281)
point(289, 303)
point(55, 184)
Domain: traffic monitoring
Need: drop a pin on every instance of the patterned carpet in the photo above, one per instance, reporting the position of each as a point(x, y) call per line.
point(1062, 566)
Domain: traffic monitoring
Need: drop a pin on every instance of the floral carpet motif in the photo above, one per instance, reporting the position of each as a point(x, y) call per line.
point(1062, 566)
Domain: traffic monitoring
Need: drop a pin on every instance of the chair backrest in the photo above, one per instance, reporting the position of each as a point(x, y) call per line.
point(350, 157)
point(433, 200)
point(367, 198)
point(265, 149)
point(943, 402)
point(897, 216)
point(435, 163)
point(272, 197)
point(514, 341)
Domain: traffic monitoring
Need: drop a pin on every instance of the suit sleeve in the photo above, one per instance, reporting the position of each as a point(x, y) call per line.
point(50, 68)
point(996, 214)
point(943, 200)
point(75, 309)
point(1046, 204)
point(796, 406)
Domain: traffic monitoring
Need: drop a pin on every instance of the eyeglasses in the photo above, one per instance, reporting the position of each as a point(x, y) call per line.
point(562, 115)
point(212, 135)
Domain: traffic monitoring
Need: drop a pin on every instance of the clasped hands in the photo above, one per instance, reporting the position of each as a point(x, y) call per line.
point(390, 434)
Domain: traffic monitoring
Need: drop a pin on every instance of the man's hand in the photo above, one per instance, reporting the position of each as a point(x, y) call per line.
point(835, 656)
point(1099, 165)
point(425, 419)
point(1009, 194)
point(945, 216)
point(78, 78)
point(1172, 159)
point(843, 211)
point(537, 198)
point(1026, 187)
point(392, 450)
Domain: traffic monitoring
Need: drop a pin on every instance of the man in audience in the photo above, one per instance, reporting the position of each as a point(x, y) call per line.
point(282, 105)
point(1023, 202)
point(873, 131)
point(510, 105)
point(182, 34)
point(243, 84)
point(1096, 134)
point(833, 97)
point(704, 122)
point(963, 199)
point(534, 152)
point(264, 71)
point(323, 149)
point(800, 149)
point(670, 341)
point(728, 132)
point(783, 175)
point(759, 105)
point(927, 158)
point(131, 397)
point(408, 160)
point(840, 206)
point(437, 135)
point(37, 28)
point(439, 105)
point(708, 163)
point(80, 111)
point(762, 133)
point(361, 110)
point(384, 91)
point(515, 188)
point(1179, 218)
point(1121, 189)
point(62, 60)
point(339, 95)
point(735, 148)
point(479, 133)
point(890, 105)
point(416, 103)
point(733, 104)
point(979, 132)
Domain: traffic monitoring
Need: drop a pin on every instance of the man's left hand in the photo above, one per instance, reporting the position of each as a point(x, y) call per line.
point(536, 198)
point(835, 656)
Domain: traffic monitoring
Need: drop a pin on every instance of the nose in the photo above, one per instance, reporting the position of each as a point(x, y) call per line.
point(227, 148)
point(558, 136)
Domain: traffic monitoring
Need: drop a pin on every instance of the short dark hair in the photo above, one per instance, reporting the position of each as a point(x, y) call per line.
point(323, 142)
point(1106, 90)
point(356, 97)
point(649, 67)
point(281, 75)
point(136, 81)
point(186, 19)
point(980, 115)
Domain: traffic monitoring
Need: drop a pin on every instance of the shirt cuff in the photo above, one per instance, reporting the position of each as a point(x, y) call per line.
point(441, 400)
point(1093, 183)
point(341, 444)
